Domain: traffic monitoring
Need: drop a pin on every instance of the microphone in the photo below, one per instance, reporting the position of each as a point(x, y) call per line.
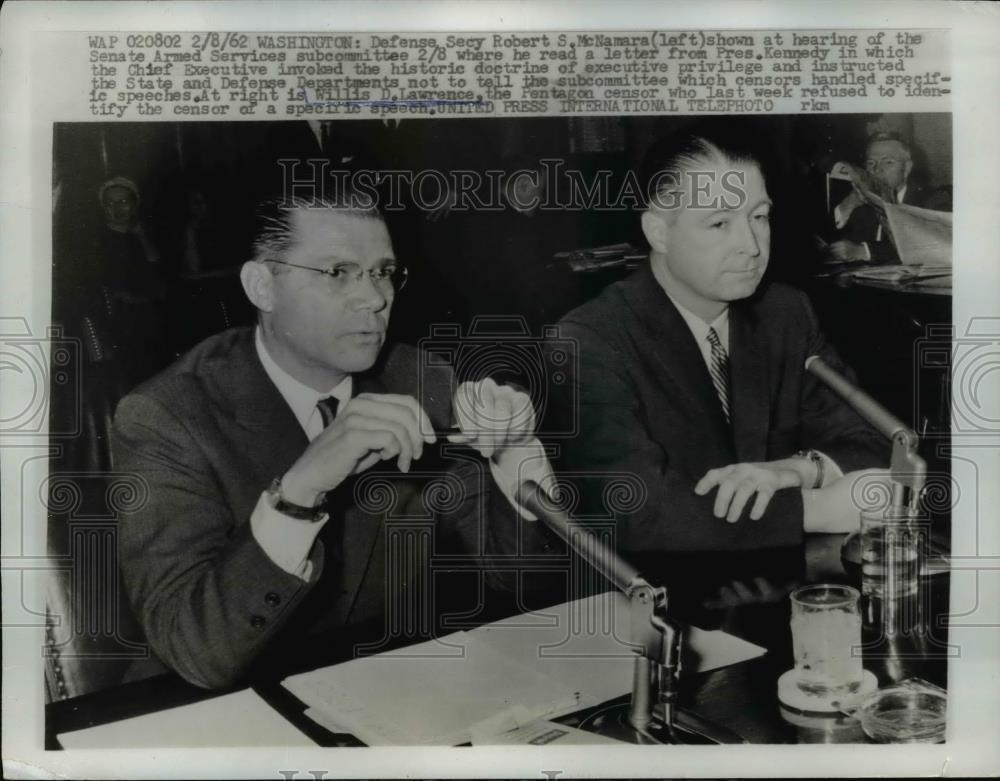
point(594, 551)
point(652, 713)
point(869, 409)
point(906, 468)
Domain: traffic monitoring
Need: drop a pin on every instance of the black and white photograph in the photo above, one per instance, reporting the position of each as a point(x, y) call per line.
point(559, 421)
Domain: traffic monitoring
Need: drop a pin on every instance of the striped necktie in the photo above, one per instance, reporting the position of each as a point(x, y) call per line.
point(719, 370)
point(327, 409)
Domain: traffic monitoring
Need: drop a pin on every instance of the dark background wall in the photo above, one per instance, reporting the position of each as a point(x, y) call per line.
point(467, 262)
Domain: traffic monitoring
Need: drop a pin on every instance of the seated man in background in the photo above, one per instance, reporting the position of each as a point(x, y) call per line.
point(130, 283)
point(257, 534)
point(889, 163)
point(691, 377)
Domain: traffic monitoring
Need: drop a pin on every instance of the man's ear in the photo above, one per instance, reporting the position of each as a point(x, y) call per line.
point(907, 169)
point(654, 226)
point(258, 284)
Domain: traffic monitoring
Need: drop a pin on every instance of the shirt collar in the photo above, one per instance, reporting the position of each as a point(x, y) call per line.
point(699, 328)
point(301, 398)
point(317, 130)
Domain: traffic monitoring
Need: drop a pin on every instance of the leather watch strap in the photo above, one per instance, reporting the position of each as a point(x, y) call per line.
point(292, 510)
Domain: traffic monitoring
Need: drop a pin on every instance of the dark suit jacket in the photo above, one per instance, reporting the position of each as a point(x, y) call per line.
point(208, 435)
point(346, 150)
point(863, 224)
point(647, 406)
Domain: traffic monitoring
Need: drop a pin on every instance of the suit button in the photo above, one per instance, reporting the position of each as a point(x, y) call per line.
point(257, 622)
point(272, 599)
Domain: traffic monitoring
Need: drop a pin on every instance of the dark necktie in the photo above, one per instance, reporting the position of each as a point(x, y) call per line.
point(327, 409)
point(719, 370)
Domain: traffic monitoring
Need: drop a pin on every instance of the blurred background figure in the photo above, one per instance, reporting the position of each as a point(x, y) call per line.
point(130, 313)
point(205, 246)
point(126, 239)
point(889, 169)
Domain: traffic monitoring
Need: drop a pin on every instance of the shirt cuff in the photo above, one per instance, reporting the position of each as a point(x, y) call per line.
point(286, 541)
point(831, 471)
point(839, 221)
point(867, 249)
point(515, 465)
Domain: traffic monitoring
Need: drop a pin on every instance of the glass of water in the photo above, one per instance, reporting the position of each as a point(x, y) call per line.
point(890, 555)
point(826, 640)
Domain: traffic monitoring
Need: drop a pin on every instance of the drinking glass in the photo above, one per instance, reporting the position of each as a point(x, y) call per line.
point(890, 556)
point(826, 640)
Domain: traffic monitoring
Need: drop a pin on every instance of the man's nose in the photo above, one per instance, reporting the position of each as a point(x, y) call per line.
point(366, 294)
point(747, 241)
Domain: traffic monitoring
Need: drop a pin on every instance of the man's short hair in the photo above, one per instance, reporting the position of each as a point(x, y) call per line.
point(885, 135)
point(118, 181)
point(688, 150)
point(273, 232)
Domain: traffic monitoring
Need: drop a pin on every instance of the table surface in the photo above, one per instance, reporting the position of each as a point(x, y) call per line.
point(741, 697)
point(844, 275)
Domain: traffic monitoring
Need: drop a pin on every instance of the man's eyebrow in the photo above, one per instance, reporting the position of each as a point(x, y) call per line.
point(334, 260)
point(727, 212)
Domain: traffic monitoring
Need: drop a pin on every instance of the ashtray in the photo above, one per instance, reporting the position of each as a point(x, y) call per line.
point(912, 711)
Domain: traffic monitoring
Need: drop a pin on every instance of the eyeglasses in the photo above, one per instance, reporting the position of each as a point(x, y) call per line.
point(345, 277)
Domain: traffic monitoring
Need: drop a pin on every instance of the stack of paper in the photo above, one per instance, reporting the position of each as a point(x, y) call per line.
point(922, 236)
point(511, 673)
point(399, 699)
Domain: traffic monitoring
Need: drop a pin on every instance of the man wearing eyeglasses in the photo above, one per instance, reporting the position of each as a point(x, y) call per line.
point(260, 532)
point(889, 163)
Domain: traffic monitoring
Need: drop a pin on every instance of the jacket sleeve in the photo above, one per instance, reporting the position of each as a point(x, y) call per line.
point(207, 596)
point(618, 470)
point(862, 228)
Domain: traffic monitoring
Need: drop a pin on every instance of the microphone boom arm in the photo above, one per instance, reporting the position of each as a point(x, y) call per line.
point(907, 469)
point(658, 637)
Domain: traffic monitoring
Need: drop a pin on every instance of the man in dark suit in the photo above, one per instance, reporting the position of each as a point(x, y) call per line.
point(262, 528)
point(889, 163)
point(691, 377)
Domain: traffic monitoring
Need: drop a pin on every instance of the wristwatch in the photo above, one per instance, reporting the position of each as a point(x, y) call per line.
point(817, 459)
point(292, 510)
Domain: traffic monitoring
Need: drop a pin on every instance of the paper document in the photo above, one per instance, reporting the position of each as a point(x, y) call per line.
point(400, 699)
point(240, 719)
point(922, 237)
point(585, 645)
point(528, 667)
point(541, 733)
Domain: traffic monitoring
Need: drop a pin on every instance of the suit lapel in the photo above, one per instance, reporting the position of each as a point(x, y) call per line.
point(266, 430)
point(360, 530)
point(677, 360)
point(749, 395)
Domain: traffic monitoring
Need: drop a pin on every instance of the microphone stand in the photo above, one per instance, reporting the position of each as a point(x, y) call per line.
point(653, 715)
point(907, 470)
point(907, 474)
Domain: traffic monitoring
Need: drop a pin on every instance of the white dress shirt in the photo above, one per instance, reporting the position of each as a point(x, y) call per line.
point(288, 541)
point(699, 330)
